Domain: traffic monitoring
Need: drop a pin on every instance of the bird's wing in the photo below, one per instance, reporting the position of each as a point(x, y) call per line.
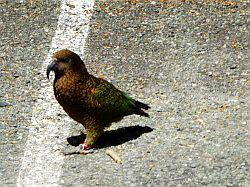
point(109, 100)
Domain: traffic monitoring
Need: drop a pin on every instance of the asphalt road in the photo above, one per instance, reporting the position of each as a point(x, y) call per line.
point(187, 59)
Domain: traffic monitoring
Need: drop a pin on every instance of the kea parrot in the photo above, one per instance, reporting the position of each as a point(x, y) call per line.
point(91, 101)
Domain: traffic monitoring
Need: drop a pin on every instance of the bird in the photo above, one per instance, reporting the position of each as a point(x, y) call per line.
point(89, 100)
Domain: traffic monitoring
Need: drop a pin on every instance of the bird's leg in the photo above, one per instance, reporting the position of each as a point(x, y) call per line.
point(92, 135)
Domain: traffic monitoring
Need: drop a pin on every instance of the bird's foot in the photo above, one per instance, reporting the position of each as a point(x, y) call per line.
point(85, 148)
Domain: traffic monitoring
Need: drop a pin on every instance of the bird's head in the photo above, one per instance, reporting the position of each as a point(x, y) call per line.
point(63, 61)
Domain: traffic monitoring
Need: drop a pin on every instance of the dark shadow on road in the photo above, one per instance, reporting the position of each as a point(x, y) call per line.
point(113, 137)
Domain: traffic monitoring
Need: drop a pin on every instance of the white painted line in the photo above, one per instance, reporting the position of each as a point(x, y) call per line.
point(42, 161)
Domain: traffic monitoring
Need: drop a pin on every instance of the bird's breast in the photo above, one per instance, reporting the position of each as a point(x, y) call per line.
point(68, 93)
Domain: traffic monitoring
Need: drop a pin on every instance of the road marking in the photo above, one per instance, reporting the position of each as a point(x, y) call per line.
point(42, 161)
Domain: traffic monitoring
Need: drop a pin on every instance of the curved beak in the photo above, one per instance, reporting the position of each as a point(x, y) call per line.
point(50, 68)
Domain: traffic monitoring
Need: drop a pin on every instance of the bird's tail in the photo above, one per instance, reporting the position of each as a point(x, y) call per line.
point(139, 106)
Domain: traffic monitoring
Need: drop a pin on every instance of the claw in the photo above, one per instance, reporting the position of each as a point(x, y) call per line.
point(85, 149)
point(84, 146)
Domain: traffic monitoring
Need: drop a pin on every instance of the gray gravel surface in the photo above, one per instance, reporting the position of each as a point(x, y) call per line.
point(26, 30)
point(187, 59)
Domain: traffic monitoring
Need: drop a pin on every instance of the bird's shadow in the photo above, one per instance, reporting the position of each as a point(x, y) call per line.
point(113, 137)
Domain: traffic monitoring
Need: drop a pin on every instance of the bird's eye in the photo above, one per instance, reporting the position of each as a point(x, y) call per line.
point(66, 59)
